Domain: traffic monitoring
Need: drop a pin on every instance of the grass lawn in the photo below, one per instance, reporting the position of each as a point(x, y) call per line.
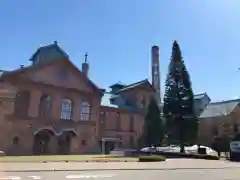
point(62, 158)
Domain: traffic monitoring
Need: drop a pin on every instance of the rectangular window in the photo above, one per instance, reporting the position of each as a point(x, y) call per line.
point(131, 124)
point(118, 122)
point(102, 119)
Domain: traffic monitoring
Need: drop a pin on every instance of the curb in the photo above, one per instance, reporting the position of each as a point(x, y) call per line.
point(90, 161)
point(112, 169)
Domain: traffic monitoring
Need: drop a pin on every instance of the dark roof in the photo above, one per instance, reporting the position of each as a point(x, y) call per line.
point(55, 46)
point(118, 84)
point(106, 102)
point(200, 96)
point(222, 108)
point(136, 84)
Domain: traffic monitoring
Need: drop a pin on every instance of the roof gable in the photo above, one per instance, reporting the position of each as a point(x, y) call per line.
point(67, 63)
point(218, 109)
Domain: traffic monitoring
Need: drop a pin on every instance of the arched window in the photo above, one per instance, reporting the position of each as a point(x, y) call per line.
point(85, 111)
point(66, 109)
point(21, 104)
point(45, 106)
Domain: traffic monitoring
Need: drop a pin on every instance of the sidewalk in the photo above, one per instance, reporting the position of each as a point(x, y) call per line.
point(171, 164)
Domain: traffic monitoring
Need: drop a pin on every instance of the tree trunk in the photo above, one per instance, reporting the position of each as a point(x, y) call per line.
point(181, 135)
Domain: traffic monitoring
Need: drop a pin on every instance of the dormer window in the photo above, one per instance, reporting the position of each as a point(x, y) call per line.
point(128, 103)
point(112, 101)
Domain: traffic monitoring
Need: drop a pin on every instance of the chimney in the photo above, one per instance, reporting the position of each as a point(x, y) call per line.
point(85, 65)
point(156, 72)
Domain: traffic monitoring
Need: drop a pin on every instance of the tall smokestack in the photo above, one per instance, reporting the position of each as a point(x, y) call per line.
point(156, 72)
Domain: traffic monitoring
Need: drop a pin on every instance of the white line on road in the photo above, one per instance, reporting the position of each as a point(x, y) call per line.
point(11, 177)
point(88, 176)
point(35, 177)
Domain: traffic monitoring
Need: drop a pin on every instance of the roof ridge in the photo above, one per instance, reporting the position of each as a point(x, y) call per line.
point(225, 101)
point(200, 94)
point(49, 46)
point(137, 82)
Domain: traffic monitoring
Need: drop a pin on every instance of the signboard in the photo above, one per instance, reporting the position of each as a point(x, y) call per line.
point(235, 146)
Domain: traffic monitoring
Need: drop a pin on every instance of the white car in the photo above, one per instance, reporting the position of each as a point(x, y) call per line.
point(176, 148)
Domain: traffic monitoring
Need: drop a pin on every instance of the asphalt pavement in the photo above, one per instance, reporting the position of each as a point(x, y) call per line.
point(178, 169)
point(228, 174)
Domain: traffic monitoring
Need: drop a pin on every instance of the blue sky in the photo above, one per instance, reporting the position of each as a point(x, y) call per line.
point(118, 36)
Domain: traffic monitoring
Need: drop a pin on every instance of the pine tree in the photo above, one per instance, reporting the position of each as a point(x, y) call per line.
point(178, 108)
point(153, 126)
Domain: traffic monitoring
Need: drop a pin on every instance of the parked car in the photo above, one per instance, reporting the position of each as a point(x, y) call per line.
point(2, 153)
point(176, 148)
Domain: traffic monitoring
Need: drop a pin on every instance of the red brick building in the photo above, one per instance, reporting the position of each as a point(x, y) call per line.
point(52, 107)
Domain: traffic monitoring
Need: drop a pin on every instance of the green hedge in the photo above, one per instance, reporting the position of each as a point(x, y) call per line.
point(151, 158)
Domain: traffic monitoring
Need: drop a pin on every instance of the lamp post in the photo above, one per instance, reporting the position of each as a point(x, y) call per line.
point(103, 141)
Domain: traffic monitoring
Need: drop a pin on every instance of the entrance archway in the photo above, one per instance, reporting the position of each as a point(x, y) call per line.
point(41, 141)
point(64, 141)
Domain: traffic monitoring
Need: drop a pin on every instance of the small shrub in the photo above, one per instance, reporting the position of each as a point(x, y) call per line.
point(174, 155)
point(207, 157)
point(151, 158)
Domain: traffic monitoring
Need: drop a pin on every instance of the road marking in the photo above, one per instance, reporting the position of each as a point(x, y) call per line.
point(88, 176)
point(35, 177)
point(11, 177)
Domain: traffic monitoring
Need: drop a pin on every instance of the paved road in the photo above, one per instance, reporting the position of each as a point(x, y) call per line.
point(179, 169)
point(228, 174)
point(72, 166)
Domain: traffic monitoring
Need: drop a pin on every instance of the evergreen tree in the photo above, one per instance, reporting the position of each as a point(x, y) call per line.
point(153, 126)
point(178, 108)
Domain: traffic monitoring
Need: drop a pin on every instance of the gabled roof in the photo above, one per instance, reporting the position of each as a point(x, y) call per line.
point(55, 46)
point(136, 84)
point(6, 74)
point(217, 109)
